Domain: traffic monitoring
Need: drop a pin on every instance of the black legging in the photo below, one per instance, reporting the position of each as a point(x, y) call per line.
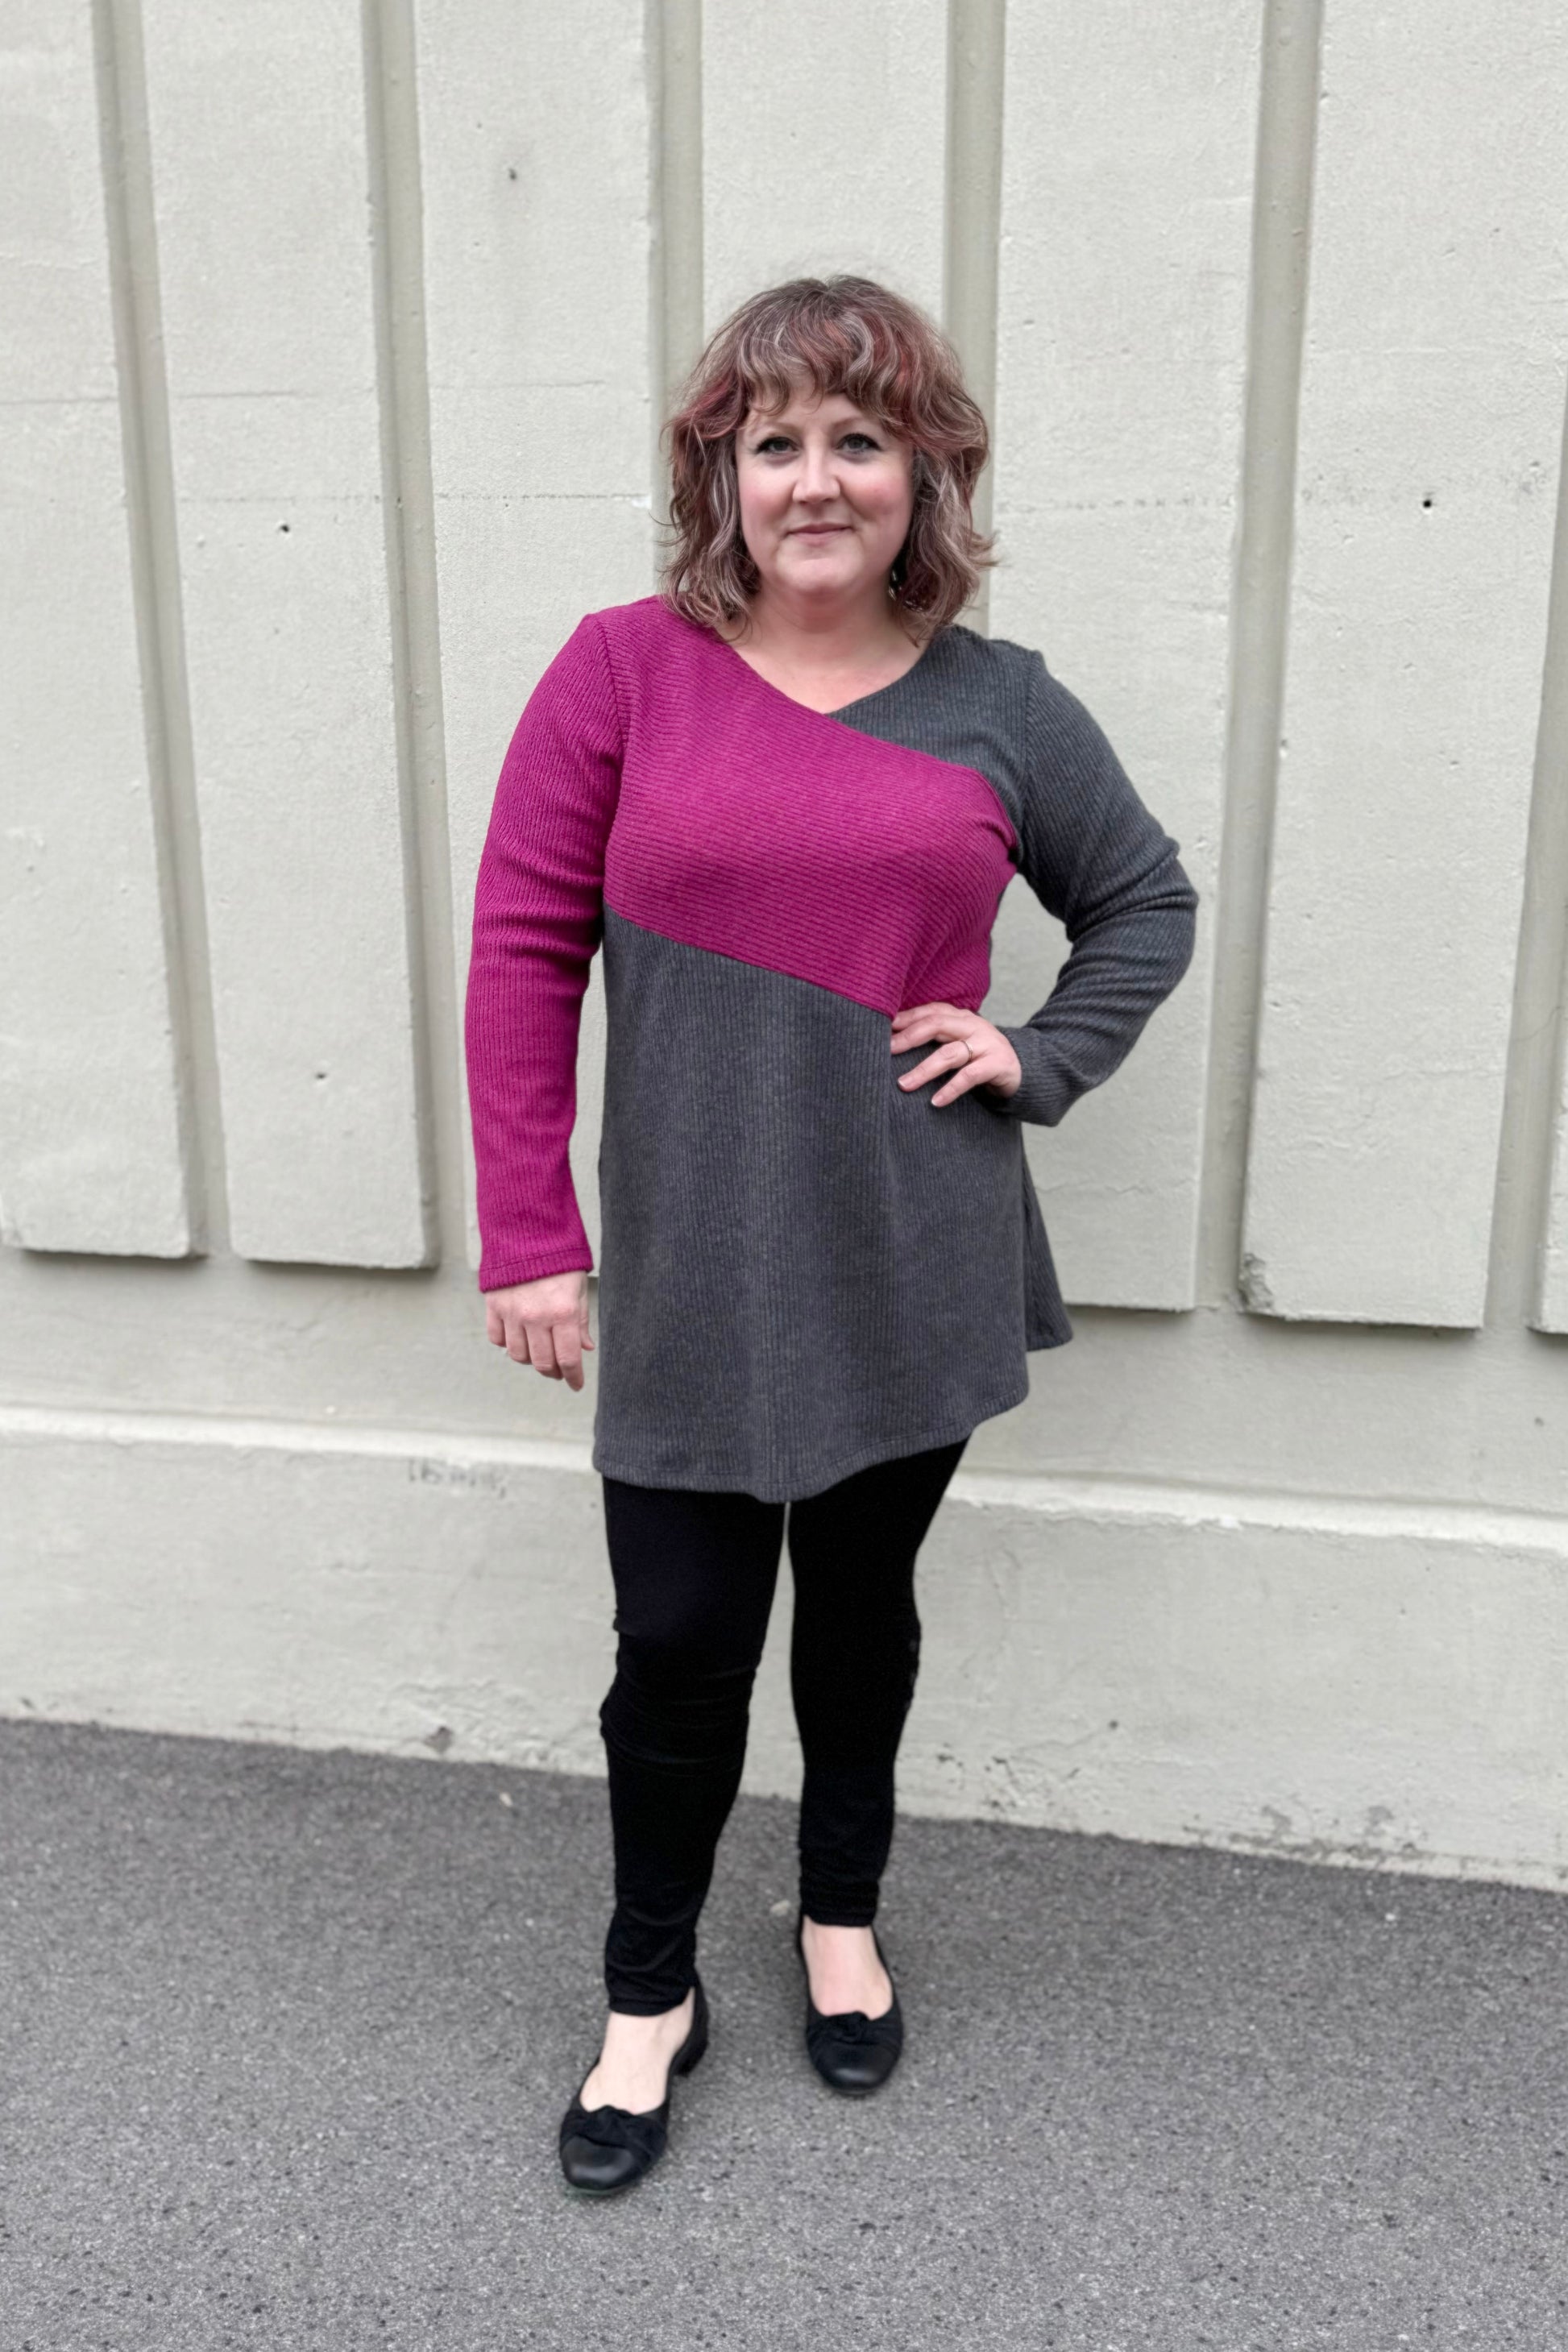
point(694, 1574)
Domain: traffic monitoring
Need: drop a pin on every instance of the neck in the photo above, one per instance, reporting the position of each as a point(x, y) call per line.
point(844, 633)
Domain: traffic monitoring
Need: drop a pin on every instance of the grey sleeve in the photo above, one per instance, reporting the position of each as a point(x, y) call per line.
point(1098, 860)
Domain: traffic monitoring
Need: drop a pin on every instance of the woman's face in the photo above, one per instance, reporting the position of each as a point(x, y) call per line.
point(826, 493)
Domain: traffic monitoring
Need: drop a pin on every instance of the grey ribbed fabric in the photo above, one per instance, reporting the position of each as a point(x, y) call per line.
point(802, 1269)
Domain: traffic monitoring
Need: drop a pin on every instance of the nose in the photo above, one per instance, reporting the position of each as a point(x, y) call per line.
point(819, 476)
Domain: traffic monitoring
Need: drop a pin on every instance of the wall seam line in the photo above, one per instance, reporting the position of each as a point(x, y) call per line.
point(1528, 1147)
point(152, 527)
point(673, 39)
point(1284, 159)
point(408, 506)
point(972, 226)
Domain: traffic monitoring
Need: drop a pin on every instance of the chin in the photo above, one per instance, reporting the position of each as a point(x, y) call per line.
point(826, 573)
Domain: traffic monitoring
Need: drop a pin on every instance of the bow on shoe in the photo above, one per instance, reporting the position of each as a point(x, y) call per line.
point(854, 2025)
point(643, 2134)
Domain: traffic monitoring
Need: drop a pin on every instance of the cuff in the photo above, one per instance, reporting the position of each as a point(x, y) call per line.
point(501, 1274)
point(1043, 1094)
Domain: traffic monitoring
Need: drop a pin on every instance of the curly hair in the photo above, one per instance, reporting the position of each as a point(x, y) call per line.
point(845, 335)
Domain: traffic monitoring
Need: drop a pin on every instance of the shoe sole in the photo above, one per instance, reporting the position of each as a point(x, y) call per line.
point(848, 2090)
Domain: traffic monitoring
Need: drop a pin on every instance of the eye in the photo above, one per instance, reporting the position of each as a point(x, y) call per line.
point(866, 440)
point(773, 441)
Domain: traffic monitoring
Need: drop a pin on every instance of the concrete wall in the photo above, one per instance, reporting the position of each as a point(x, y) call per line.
point(337, 341)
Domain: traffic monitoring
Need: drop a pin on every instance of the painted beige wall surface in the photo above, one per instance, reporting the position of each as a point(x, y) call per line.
point(336, 343)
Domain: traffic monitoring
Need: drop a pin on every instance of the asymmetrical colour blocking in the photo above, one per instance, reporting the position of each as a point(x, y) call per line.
point(804, 1269)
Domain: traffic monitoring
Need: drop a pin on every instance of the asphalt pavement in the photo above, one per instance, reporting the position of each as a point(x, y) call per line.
point(287, 2035)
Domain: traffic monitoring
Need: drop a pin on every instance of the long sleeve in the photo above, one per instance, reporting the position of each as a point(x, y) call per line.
point(538, 921)
point(1098, 860)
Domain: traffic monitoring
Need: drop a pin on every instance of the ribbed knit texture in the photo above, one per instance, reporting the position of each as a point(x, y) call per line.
point(805, 1269)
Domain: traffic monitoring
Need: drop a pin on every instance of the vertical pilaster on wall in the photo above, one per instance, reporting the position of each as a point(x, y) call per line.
point(94, 1112)
point(155, 569)
point(1127, 195)
point(258, 142)
point(1529, 1218)
point(675, 176)
point(392, 115)
point(1431, 418)
point(977, 43)
point(536, 193)
point(1260, 606)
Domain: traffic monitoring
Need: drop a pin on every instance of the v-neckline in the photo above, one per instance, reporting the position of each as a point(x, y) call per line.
point(794, 700)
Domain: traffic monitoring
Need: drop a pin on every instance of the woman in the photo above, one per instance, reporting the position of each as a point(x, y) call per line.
point(786, 797)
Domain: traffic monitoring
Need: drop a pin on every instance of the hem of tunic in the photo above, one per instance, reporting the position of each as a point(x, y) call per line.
point(605, 1461)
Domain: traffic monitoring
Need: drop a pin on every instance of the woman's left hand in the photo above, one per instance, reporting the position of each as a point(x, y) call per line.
point(990, 1061)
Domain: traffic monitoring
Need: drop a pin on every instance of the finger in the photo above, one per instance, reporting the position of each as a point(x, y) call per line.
point(982, 1064)
point(962, 1083)
point(568, 1343)
point(917, 1021)
point(519, 1346)
point(952, 1055)
point(946, 1040)
point(541, 1351)
point(495, 1324)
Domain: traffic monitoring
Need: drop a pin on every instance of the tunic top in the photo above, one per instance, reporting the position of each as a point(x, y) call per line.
point(804, 1268)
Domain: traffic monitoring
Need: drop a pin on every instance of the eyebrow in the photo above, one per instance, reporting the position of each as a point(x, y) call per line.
point(857, 420)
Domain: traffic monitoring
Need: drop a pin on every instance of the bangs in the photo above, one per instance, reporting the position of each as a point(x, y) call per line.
point(818, 347)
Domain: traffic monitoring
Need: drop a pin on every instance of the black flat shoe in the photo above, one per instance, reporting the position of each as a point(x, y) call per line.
point(605, 2149)
point(853, 2053)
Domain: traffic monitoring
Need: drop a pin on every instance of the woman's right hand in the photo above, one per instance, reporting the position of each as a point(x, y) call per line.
point(543, 1323)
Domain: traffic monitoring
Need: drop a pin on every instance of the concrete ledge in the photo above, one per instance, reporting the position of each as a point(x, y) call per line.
point(1341, 1680)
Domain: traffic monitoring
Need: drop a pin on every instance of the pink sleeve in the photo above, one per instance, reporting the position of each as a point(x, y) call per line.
point(538, 920)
